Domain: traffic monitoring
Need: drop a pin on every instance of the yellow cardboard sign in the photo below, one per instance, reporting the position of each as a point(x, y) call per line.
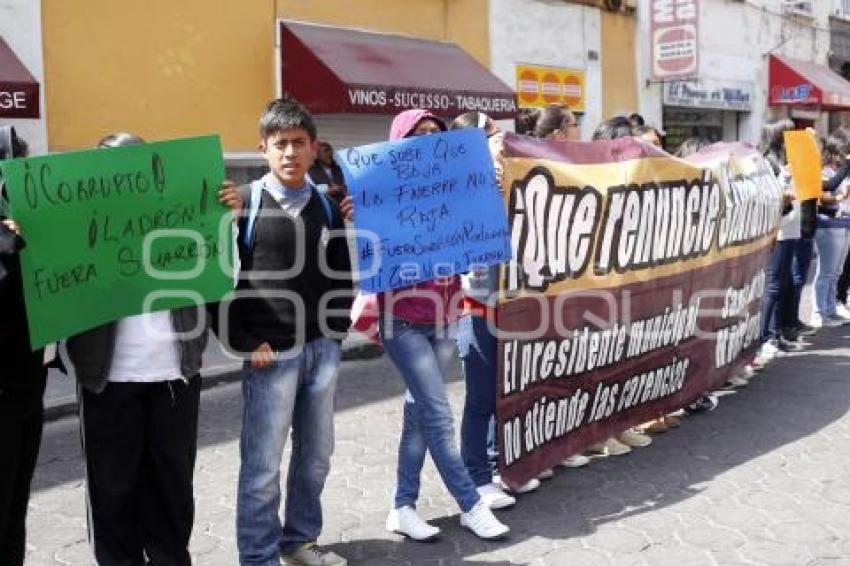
point(539, 86)
point(804, 160)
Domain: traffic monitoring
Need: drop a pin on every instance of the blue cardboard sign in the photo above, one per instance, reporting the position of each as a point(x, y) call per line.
point(425, 207)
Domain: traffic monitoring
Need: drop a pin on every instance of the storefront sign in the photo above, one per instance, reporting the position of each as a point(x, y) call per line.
point(538, 86)
point(18, 102)
point(18, 88)
point(796, 94)
point(674, 36)
point(375, 99)
point(710, 94)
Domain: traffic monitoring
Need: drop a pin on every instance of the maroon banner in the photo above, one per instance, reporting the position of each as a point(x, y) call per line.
point(635, 287)
point(674, 38)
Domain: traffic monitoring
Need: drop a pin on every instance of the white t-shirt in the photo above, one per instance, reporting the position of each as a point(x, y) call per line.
point(145, 350)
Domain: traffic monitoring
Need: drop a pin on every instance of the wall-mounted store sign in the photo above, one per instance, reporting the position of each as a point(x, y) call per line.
point(19, 91)
point(538, 86)
point(722, 95)
point(674, 38)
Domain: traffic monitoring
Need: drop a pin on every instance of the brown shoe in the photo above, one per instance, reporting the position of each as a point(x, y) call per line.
point(672, 421)
point(655, 427)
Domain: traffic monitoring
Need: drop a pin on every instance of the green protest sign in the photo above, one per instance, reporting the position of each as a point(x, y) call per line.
point(116, 232)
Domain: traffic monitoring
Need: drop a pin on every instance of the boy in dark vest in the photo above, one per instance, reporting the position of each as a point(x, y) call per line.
point(289, 317)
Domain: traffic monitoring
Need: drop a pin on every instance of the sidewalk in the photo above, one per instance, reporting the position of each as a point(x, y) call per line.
point(60, 399)
point(762, 480)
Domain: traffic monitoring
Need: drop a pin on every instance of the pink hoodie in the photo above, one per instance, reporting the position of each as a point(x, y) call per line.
point(423, 310)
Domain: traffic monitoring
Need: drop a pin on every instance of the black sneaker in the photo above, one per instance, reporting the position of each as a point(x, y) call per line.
point(805, 330)
point(704, 404)
point(787, 345)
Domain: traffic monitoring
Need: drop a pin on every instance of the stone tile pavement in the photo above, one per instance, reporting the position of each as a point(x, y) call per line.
point(764, 479)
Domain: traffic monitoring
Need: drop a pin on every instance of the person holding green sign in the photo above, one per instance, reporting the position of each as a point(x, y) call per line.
point(289, 317)
point(22, 383)
point(139, 396)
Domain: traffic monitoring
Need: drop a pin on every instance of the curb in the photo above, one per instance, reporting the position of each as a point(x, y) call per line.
point(67, 406)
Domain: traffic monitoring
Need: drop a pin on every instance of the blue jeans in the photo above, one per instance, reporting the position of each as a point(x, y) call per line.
point(423, 359)
point(801, 261)
point(778, 288)
point(831, 250)
point(477, 350)
point(297, 393)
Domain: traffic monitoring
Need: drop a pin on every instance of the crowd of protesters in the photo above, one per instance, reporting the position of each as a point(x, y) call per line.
point(139, 376)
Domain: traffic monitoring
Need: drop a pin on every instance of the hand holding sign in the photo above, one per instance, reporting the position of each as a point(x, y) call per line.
point(804, 160)
point(426, 206)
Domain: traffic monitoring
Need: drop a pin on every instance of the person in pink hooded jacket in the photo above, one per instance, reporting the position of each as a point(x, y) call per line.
point(416, 325)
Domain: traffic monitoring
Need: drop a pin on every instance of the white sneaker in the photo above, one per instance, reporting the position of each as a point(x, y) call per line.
point(531, 485)
point(611, 447)
point(546, 474)
point(405, 521)
point(842, 311)
point(575, 461)
point(481, 521)
point(833, 321)
point(631, 437)
point(492, 495)
point(767, 352)
point(737, 381)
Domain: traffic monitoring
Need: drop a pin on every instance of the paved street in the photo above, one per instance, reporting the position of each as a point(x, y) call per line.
point(762, 480)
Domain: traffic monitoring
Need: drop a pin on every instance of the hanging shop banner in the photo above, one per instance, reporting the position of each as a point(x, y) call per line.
point(116, 232)
point(674, 38)
point(635, 286)
point(426, 207)
point(540, 86)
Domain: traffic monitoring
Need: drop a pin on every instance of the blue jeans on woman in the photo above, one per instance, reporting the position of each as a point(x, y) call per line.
point(800, 263)
point(296, 393)
point(778, 288)
point(423, 358)
point(477, 350)
point(831, 248)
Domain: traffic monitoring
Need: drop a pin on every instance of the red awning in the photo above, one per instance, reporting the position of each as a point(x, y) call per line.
point(18, 88)
point(799, 83)
point(336, 70)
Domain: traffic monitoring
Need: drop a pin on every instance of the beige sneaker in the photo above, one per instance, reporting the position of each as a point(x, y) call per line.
point(575, 461)
point(611, 447)
point(631, 437)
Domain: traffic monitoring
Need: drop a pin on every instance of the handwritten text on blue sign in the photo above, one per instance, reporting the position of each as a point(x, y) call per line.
point(431, 204)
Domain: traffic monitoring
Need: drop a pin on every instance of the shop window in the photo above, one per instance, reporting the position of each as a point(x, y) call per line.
point(842, 8)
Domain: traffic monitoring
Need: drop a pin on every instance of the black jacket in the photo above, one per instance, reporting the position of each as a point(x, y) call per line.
point(91, 352)
point(22, 369)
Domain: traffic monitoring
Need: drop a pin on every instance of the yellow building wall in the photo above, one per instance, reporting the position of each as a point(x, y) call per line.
point(619, 73)
point(173, 68)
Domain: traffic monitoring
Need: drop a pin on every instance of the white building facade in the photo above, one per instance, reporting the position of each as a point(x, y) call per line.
point(558, 35)
point(729, 97)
